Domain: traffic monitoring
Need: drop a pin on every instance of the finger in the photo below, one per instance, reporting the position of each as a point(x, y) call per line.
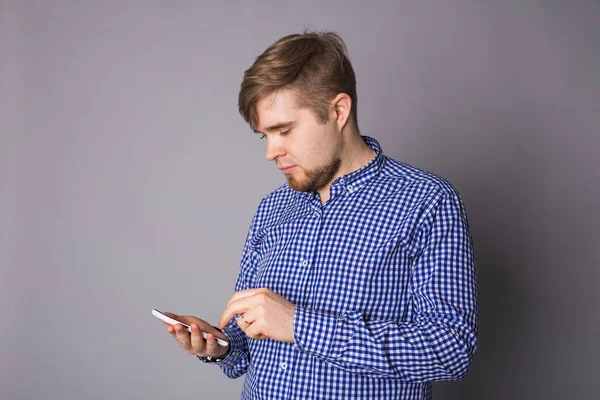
point(197, 341)
point(212, 347)
point(171, 315)
point(251, 315)
point(241, 323)
point(248, 293)
point(256, 331)
point(186, 319)
point(242, 294)
point(236, 307)
point(183, 337)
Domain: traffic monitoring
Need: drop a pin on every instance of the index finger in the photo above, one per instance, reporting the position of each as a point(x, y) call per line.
point(242, 294)
point(235, 307)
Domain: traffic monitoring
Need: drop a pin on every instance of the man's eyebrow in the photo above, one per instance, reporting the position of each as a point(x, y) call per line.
point(278, 126)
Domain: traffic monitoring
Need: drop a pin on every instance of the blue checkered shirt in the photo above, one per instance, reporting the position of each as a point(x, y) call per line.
point(384, 283)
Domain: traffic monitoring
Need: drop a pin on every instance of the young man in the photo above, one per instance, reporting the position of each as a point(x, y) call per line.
point(357, 277)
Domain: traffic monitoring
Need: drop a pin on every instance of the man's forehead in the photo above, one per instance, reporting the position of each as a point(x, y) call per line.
point(275, 109)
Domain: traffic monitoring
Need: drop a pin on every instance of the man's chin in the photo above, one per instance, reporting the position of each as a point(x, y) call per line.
point(298, 186)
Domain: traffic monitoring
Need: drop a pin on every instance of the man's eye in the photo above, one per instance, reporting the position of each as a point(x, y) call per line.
point(284, 133)
point(263, 136)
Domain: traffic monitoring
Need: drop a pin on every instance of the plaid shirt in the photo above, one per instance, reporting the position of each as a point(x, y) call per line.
point(384, 283)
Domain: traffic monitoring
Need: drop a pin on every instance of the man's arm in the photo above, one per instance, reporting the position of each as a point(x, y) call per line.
point(236, 362)
point(440, 340)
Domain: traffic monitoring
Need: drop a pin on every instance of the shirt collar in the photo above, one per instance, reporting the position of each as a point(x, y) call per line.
point(357, 179)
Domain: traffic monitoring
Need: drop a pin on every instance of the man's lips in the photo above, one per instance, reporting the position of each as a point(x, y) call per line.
point(288, 169)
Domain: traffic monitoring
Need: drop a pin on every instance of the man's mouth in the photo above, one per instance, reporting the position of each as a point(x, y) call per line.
point(287, 170)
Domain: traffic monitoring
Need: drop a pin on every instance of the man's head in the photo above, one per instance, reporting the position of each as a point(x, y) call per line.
point(301, 95)
point(313, 65)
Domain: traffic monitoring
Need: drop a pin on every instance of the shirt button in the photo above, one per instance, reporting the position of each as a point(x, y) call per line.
point(304, 263)
point(283, 366)
point(350, 188)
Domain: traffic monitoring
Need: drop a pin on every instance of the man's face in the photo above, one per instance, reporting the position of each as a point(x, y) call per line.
point(296, 139)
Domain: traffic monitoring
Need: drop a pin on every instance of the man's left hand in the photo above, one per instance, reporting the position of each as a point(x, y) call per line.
point(264, 314)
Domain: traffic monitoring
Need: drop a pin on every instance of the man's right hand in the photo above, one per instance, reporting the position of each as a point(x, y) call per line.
point(194, 343)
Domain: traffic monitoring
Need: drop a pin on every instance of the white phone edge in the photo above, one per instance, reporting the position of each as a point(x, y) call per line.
point(172, 321)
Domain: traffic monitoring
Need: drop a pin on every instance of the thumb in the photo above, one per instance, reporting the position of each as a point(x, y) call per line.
point(183, 318)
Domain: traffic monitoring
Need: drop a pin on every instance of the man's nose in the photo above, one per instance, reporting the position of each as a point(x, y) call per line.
point(274, 150)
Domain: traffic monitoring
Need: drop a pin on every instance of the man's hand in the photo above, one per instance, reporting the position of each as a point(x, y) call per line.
point(265, 314)
point(194, 343)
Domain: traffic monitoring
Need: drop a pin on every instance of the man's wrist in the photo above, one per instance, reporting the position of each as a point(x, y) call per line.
point(212, 359)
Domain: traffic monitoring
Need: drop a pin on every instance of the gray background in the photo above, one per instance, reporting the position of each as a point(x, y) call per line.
point(128, 180)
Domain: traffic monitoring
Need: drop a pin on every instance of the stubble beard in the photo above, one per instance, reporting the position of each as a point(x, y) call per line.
point(317, 178)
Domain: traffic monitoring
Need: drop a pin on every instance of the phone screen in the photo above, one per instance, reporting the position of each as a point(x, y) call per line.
point(182, 323)
point(204, 327)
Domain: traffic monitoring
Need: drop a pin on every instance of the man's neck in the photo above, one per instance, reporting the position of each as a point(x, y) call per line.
point(357, 154)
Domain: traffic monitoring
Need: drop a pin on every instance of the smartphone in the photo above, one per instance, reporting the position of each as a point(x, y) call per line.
point(206, 329)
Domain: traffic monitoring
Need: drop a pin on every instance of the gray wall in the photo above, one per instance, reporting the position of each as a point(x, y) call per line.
point(128, 180)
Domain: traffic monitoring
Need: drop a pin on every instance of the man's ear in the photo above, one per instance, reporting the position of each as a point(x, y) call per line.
point(342, 105)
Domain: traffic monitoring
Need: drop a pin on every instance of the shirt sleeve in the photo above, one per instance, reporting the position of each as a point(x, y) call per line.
point(439, 341)
point(237, 360)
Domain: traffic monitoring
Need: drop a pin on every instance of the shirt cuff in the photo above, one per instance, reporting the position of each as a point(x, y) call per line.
point(314, 331)
point(236, 343)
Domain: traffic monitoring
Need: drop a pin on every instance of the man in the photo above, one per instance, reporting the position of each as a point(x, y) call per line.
point(357, 277)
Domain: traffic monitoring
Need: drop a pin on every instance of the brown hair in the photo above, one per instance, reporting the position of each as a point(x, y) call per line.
point(314, 65)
